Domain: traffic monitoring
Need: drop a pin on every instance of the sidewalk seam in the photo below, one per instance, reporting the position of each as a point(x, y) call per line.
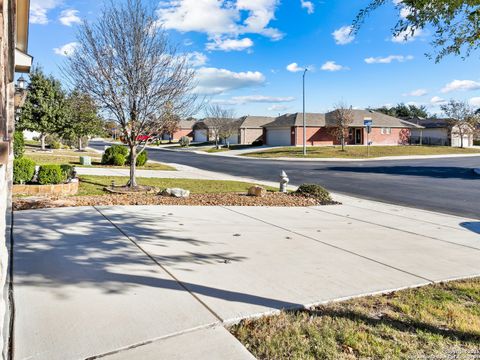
point(395, 229)
point(331, 245)
point(162, 267)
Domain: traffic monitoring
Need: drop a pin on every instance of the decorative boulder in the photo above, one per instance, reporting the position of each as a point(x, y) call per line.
point(257, 191)
point(178, 193)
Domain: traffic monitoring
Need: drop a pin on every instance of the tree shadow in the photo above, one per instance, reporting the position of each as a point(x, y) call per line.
point(440, 172)
point(473, 226)
point(78, 247)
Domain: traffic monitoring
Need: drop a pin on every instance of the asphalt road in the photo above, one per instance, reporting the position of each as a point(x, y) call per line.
point(446, 185)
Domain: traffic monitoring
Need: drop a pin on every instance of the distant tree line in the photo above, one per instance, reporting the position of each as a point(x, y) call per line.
point(403, 111)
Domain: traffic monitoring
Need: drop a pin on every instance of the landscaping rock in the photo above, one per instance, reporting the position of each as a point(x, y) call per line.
point(177, 193)
point(257, 191)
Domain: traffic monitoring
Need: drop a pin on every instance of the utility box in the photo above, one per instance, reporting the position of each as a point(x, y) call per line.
point(85, 160)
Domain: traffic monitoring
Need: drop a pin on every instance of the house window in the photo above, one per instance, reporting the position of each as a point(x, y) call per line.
point(386, 131)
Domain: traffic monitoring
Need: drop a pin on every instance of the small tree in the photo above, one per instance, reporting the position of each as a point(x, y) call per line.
point(126, 63)
point(83, 120)
point(45, 109)
point(343, 119)
point(220, 122)
point(462, 119)
point(169, 121)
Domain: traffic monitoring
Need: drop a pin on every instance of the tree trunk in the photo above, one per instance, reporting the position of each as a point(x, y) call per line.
point(80, 145)
point(461, 140)
point(42, 141)
point(343, 143)
point(133, 167)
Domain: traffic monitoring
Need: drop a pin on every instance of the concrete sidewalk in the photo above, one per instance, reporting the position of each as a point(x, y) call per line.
point(158, 282)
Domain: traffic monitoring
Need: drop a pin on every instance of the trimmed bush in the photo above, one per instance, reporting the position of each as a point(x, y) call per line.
point(476, 142)
point(142, 158)
point(119, 160)
point(55, 145)
point(184, 141)
point(23, 170)
point(18, 144)
point(107, 158)
point(50, 175)
point(314, 191)
point(67, 171)
point(257, 143)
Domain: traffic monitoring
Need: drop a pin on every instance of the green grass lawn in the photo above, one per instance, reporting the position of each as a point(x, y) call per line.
point(54, 158)
point(360, 151)
point(94, 185)
point(436, 320)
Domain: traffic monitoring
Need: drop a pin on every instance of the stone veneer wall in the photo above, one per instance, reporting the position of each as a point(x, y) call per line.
point(70, 188)
point(7, 118)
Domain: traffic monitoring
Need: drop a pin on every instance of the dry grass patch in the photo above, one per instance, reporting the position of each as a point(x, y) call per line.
point(435, 321)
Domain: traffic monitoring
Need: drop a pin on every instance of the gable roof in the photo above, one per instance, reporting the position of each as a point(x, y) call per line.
point(378, 119)
point(186, 124)
point(323, 120)
point(431, 123)
point(249, 122)
point(296, 119)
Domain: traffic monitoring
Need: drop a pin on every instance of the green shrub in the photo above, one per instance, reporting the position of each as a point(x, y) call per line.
point(67, 171)
point(118, 160)
point(23, 170)
point(257, 143)
point(314, 191)
point(476, 142)
point(55, 145)
point(18, 144)
point(50, 174)
point(184, 141)
point(142, 158)
point(107, 158)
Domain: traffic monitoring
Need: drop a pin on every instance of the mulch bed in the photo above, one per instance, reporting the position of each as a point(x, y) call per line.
point(230, 199)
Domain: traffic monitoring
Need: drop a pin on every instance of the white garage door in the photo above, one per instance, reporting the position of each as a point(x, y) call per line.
point(200, 136)
point(279, 137)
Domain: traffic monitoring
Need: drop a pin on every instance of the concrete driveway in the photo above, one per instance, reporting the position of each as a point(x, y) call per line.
point(157, 282)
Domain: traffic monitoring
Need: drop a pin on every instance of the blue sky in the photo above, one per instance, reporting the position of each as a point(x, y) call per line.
point(249, 54)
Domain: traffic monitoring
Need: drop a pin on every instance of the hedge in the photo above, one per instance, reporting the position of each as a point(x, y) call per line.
point(18, 144)
point(23, 170)
point(107, 158)
point(51, 174)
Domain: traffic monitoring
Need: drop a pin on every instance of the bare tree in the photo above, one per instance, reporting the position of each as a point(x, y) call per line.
point(343, 119)
point(221, 122)
point(169, 121)
point(462, 119)
point(126, 63)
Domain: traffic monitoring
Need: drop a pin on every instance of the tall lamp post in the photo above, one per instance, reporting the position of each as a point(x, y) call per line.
point(304, 122)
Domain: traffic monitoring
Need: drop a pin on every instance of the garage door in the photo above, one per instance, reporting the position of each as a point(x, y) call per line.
point(200, 136)
point(279, 137)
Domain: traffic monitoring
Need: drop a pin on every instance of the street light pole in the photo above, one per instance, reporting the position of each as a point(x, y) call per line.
point(304, 122)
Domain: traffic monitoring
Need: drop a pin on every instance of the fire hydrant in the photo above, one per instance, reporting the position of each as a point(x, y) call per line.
point(284, 180)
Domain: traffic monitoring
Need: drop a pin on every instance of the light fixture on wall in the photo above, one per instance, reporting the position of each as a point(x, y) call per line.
point(20, 92)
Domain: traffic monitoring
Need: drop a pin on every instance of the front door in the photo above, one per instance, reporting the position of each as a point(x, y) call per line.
point(358, 136)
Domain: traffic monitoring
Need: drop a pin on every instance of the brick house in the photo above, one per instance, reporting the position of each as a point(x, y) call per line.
point(287, 130)
point(251, 128)
point(185, 128)
point(14, 58)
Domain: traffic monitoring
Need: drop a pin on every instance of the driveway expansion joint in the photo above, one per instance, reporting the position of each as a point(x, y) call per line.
point(333, 246)
point(162, 267)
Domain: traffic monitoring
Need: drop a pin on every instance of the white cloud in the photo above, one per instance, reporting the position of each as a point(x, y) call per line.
point(456, 85)
point(223, 19)
point(70, 17)
point(278, 108)
point(293, 67)
point(333, 66)
point(217, 81)
point(196, 58)
point(240, 100)
point(407, 36)
point(39, 10)
point(229, 44)
point(388, 59)
point(437, 100)
point(66, 50)
point(475, 101)
point(343, 35)
point(417, 92)
point(308, 5)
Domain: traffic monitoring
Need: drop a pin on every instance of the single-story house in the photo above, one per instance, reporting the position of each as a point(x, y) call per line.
point(287, 130)
point(251, 128)
point(439, 132)
point(203, 131)
point(185, 128)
